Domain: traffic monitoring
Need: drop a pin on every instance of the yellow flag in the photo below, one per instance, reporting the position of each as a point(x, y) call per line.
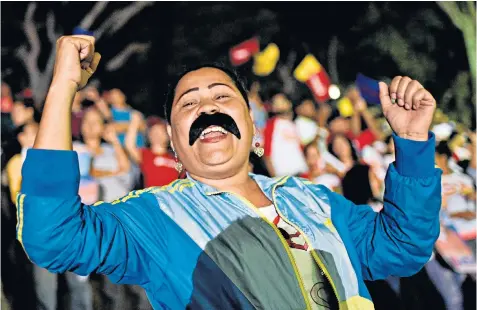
point(307, 67)
point(345, 107)
point(266, 61)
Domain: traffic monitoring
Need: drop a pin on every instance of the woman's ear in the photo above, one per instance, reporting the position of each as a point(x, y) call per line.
point(169, 133)
point(253, 122)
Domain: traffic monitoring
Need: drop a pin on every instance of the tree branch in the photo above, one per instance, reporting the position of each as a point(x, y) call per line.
point(471, 8)
point(30, 31)
point(332, 59)
point(50, 64)
point(89, 18)
point(50, 28)
point(120, 17)
point(121, 58)
point(127, 13)
point(452, 10)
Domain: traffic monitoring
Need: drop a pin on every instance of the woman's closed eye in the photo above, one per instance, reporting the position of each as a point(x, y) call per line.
point(188, 103)
point(222, 97)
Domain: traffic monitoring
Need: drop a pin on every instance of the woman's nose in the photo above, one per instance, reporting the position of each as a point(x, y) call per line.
point(208, 107)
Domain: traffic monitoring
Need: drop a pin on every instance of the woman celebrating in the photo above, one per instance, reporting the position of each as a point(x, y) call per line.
point(109, 163)
point(203, 242)
point(156, 162)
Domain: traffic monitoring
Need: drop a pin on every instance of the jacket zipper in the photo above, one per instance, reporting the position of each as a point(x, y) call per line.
point(313, 254)
point(284, 243)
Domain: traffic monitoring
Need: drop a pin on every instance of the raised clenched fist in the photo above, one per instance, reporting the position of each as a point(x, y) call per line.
point(75, 60)
point(408, 107)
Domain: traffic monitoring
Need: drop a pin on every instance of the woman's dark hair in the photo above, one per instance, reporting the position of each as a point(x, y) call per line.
point(238, 81)
point(356, 185)
point(354, 154)
point(80, 137)
point(442, 148)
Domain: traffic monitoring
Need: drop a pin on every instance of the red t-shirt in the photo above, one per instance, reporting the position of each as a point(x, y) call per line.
point(158, 170)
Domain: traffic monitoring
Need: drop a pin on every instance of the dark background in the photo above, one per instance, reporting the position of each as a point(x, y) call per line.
point(432, 48)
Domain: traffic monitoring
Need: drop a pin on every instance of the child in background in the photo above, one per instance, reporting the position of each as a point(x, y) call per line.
point(26, 135)
point(319, 171)
point(156, 162)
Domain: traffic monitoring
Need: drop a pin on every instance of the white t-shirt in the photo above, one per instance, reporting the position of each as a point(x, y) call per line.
point(282, 145)
point(318, 287)
point(331, 181)
point(306, 128)
point(457, 202)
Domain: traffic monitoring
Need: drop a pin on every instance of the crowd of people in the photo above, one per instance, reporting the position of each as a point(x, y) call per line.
point(119, 150)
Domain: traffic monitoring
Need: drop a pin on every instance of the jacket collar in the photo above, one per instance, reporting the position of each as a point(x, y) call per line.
point(265, 183)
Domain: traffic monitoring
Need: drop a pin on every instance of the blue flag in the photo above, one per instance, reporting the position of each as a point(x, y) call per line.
point(368, 88)
point(81, 31)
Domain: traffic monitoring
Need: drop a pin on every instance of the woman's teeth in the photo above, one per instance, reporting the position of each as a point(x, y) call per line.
point(212, 129)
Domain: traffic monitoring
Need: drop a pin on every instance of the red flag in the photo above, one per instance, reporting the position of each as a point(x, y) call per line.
point(319, 83)
point(244, 51)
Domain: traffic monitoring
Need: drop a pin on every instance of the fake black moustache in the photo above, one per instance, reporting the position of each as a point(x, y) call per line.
point(216, 119)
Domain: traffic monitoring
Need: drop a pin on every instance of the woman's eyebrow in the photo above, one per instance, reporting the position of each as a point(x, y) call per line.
point(188, 91)
point(209, 87)
point(218, 84)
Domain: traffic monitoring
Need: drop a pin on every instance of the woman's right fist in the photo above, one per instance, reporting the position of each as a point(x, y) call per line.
point(75, 60)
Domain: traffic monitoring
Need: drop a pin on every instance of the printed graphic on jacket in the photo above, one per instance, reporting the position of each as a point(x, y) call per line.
point(321, 293)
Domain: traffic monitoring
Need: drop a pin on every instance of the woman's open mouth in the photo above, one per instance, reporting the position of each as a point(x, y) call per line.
point(213, 134)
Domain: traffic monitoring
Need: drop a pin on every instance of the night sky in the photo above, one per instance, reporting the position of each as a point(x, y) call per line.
point(300, 26)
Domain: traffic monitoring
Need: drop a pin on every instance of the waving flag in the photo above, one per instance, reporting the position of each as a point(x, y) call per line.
point(266, 61)
point(311, 72)
point(368, 88)
point(244, 51)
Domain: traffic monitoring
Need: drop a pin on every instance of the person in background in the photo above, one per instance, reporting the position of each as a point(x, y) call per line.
point(46, 283)
point(23, 112)
point(306, 123)
point(6, 109)
point(260, 114)
point(283, 152)
point(7, 126)
point(362, 137)
point(156, 162)
point(120, 116)
point(77, 113)
point(110, 164)
point(25, 134)
point(342, 148)
point(337, 124)
point(459, 197)
point(318, 171)
point(472, 163)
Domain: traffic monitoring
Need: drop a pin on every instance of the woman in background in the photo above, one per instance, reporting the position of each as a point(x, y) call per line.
point(110, 164)
point(342, 148)
point(157, 163)
point(319, 172)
